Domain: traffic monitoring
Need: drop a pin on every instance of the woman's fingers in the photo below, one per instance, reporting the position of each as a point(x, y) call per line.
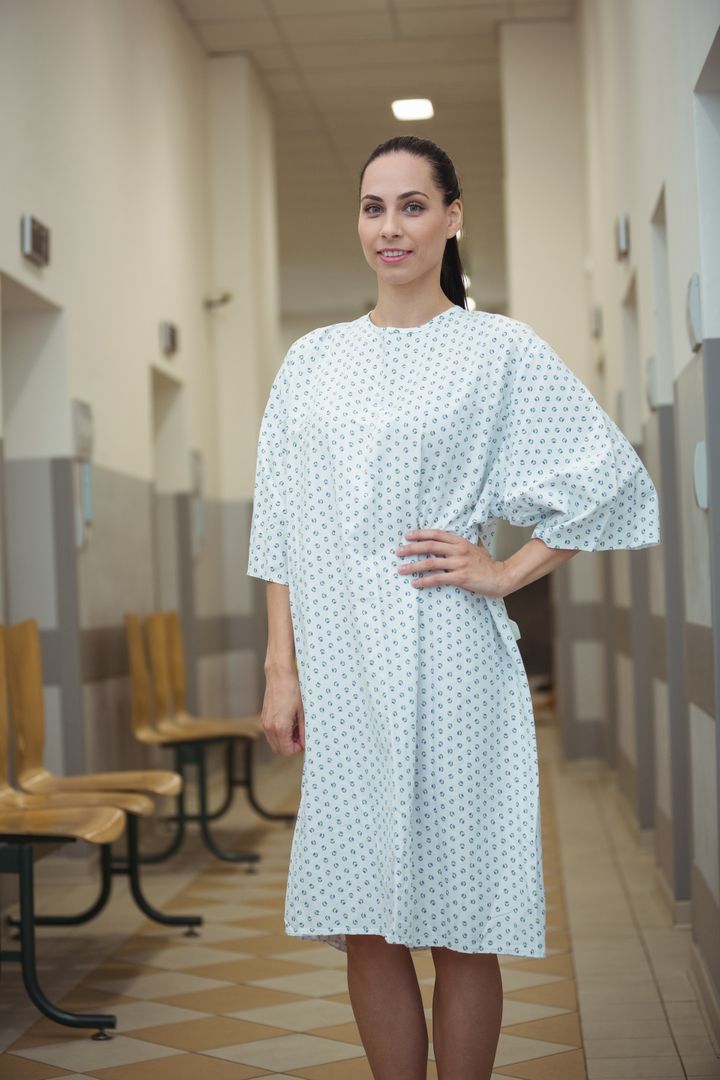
point(428, 564)
point(418, 547)
point(282, 717)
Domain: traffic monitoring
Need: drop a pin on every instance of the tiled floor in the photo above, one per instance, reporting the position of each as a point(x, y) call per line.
point(245, 1000)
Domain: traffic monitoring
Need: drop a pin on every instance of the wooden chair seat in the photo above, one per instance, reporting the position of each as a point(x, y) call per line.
point(132, 803)
point(143, 781)
point(245, 727)
point(168, 733)
point(97, 825)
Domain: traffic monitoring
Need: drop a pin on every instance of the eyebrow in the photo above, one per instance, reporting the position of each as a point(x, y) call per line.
point(403, 196)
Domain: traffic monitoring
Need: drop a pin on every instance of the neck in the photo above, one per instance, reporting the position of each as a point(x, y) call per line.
point(396, 308)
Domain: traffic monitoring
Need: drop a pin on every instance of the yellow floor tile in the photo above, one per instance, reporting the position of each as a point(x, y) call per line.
point(553, 965)
point(15, 1068)
point(557, 993)
point(562, 1029)
point(567, 1066)
point(230, 999)
point(266, 943)
point(271, 924)
point(241, 971)
point(342, 1032)
point(186, 1067)
point(207, 1034)
point(355, 1069)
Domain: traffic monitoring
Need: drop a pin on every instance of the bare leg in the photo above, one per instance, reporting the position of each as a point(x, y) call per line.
point(466, 1013)
point(388, 1007)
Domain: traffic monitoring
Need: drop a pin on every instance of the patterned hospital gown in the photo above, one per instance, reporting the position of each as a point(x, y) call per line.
point(419, 815)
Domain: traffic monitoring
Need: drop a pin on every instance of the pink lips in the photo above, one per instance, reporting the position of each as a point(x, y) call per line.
point(393, 258)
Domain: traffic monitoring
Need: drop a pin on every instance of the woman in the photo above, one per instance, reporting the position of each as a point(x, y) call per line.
point(389, 446)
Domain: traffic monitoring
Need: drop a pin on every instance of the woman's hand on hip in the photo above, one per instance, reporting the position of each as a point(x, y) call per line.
point(450, 559)
point(283, 718)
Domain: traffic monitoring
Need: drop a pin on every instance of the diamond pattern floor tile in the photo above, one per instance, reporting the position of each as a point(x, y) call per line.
point(83, 1055)
point(288, 1051)
point(299, 1015)
point(245, 999)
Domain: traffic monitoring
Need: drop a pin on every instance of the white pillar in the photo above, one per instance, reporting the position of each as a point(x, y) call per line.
point(542, 119)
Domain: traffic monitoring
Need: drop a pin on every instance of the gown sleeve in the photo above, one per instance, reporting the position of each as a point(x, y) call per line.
point(563, 466)
point(268, 531)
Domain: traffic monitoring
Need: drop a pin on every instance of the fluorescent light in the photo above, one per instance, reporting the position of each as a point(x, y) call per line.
point(466, 281)
point(471, 303)
point(412, 108)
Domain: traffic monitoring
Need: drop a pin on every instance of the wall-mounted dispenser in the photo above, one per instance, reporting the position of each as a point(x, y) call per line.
point(82, 426)
point(34, 240)
point(700, 478)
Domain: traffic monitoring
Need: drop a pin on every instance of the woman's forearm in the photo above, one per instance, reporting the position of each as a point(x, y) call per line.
point(532, 561)
point(280, 655)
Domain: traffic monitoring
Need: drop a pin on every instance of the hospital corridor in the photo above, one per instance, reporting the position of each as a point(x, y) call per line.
point(282, 282)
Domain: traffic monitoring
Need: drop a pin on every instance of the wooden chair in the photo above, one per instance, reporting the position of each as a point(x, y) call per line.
point(13, 800)
point(170, 681)
point(26, 696)
point(167, 658)
point(30, 820)
point(21, 674)
point(187, 744)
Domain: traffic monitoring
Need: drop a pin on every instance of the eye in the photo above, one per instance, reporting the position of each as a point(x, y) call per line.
point(419, 205)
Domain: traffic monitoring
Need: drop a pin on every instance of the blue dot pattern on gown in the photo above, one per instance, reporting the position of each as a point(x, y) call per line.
point(419, 814)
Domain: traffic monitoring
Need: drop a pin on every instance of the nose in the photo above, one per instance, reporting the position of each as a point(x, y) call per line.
point(389, 228)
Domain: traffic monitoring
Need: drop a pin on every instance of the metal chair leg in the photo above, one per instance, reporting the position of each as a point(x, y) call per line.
point(94, 909)
point(250, 857)
point(180, 818)
point(18, 859)
point(129, 868)
point(133, 872)
point(214, 815)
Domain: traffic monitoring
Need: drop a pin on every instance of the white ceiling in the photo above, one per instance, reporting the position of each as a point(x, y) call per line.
point(331, 68)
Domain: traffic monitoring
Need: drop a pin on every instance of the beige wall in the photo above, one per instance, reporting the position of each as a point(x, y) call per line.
point(105, 113)
point(640, 62)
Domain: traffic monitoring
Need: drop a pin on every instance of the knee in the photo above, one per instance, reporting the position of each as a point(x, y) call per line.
point(362, 944)
point(447, 958)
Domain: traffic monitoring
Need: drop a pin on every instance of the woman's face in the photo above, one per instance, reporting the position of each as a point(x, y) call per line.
point(401, 210)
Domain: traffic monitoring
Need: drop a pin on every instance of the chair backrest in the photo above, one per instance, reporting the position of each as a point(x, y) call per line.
point(25, 685)
point(176, 659)
point(140, 688)
point(4, 725)
point(155, 628)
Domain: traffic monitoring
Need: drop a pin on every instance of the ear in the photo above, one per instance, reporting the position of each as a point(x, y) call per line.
point(455, 217)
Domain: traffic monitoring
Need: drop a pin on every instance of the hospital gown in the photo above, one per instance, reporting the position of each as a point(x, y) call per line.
point(419, 815)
